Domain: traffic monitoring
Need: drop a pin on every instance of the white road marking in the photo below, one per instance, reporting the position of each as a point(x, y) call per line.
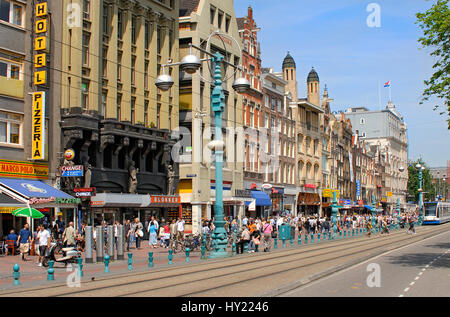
point(412, 283)
point(417, 277)
point(406, 289)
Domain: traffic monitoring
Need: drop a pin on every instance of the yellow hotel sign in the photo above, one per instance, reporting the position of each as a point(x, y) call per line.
point(18, 169)
point(38, 126)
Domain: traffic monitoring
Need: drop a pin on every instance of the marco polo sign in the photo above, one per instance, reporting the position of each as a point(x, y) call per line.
point(41, 49)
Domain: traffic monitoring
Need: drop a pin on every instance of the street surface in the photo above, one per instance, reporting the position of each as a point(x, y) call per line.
point(418, 270)
point(265, 274)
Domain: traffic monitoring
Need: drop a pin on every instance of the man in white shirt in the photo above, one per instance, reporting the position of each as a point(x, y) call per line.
point(44, 242)
point(279, 222)
point(180, 229)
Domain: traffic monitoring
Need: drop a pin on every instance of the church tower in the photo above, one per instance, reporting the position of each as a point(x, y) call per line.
point(290, 75)
point(313, 88)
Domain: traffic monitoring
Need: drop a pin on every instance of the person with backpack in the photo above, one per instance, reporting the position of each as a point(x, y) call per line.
point(267, 230)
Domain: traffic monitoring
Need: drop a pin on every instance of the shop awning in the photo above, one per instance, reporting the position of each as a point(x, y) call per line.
point(261, 198)
point(368, 207)
point(36, 193)
point(310, 199)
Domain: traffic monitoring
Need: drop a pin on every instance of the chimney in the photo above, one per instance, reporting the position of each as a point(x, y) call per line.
point(250, 13)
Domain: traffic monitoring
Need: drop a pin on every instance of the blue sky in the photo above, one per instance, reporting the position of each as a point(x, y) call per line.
point(352, 58)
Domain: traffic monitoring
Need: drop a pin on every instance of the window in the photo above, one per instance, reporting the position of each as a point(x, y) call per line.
point(86, 8)
point(105, 61)
point(227, 23)
point(133, 30)
point(212, 13)
point(133, 70)
point(120, 24)
point(119, 66)
point(147, 35)
point(146, 113)
point(220, 19)
point(85, 95)
point(103, 110)
point(119, 107)
point(158, 40)
point(11, 70)
point(10, 128)
point(158, 116)
point(12, 12)
point(133, 108)
point(363, 121)
point(85, 49)
point(105, 19)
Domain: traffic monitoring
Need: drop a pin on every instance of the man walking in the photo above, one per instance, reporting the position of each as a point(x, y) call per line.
point(180, 229)
point(69, 236)
point(127, 231)
point(24, 239)
point(44, 243)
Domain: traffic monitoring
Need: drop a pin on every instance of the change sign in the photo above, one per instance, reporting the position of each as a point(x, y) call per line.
point(72, 171)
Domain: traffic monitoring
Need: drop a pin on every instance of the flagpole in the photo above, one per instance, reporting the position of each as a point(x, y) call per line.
point(390, 94)
point(379, 95)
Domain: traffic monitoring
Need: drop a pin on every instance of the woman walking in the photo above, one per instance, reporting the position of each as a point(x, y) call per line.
point(153, 241)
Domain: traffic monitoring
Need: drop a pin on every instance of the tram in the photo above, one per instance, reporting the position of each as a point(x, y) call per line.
point(436, 212)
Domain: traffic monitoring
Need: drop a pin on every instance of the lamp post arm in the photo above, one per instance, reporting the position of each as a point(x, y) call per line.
point(213, 55)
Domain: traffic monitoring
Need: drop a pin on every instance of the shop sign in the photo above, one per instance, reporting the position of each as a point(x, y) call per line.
point(38, 126)
point(68, 201)
point(72, 171)
point(389, 194)
point(97, 203)
point(327, 192)
point(266, 186)
point(243, 193)
point(312, 186)
point(166, 200)
point(7, 210)
point(85, 192)
point(18, 169)
point(360, 202)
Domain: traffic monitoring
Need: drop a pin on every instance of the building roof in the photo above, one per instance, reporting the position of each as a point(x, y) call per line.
point(288, 61)
point(240, 23)
point(187, 7)
point(312, 76)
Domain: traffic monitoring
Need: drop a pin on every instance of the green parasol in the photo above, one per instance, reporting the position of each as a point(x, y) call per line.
point(28, 212)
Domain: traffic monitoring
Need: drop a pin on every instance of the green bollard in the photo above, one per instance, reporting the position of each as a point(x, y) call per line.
point(318, 237)
point(106, 261)
point(170, 256)
point(188, 250)
point(204, 251)
point(299, 239)
point(353, 232)
point(345, 234)
point(284, 242)
point(150, 259)
point(80, 267)
point(130, 261)
point(306, 239)
point(16, 274)
point(275, 243)
point(329, 235)
point(233, 247)
point(340, 234)
point(312, 238)
point(292, 242)
point(51, 271)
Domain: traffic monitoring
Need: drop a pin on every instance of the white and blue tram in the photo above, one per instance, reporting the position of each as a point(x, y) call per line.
point(436, 212)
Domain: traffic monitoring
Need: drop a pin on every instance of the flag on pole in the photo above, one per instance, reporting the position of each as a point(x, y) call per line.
point(388, 84)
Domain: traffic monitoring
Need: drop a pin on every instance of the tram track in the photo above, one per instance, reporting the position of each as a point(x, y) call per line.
point(180, 281)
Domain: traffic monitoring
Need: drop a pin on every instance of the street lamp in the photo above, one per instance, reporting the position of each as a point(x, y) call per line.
point(420, 168)
point(401, 170)
point(190, 64)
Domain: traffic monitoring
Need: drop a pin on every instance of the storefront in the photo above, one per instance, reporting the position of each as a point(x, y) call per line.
point(39, 195)
point(260, 206)
point(112, 207)
point(277, 197)
point(308, 204)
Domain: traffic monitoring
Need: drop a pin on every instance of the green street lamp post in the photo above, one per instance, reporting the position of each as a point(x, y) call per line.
point(190, 64)
point(334, 210)
point(420, 168)
point(398, 213)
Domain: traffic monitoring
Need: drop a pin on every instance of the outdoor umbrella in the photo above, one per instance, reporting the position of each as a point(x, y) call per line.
point(28, 212)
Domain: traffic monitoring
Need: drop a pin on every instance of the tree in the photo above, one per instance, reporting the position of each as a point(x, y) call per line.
point(413, 182)
point(435, 24)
